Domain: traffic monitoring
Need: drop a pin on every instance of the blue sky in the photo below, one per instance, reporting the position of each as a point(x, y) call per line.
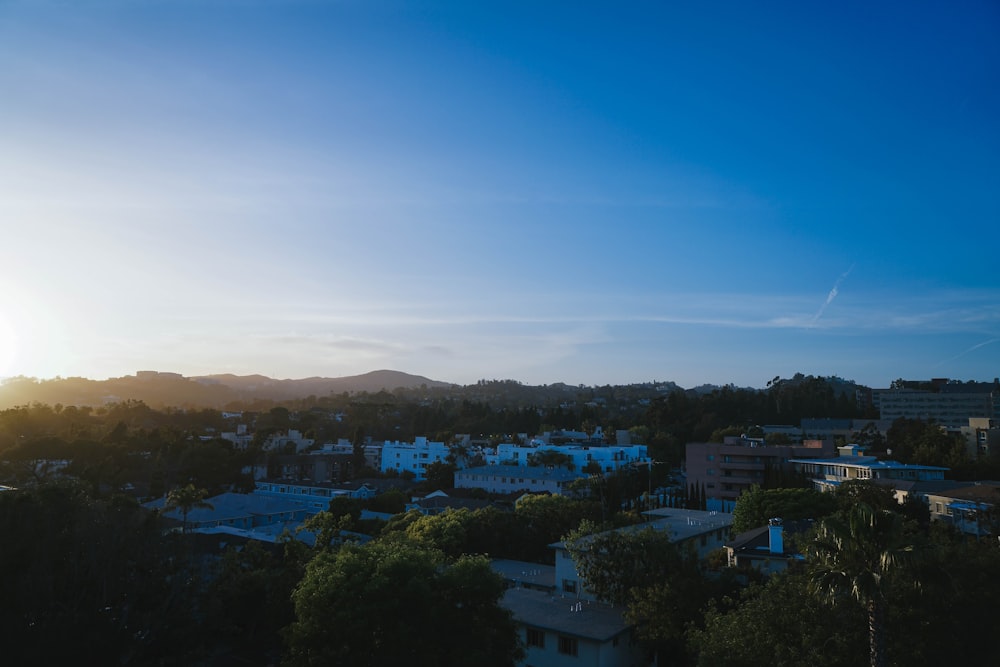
point(549, 192)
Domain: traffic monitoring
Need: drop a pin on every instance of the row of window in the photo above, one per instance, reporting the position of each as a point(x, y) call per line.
point(567, 645)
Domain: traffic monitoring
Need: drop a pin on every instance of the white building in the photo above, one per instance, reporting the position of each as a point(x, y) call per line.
point(609, 458)
point(413, 456)
point(507, 479)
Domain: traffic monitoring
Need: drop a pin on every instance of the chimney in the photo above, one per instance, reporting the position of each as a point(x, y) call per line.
point(776, 543)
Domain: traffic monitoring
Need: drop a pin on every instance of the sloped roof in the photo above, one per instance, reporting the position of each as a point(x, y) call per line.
point(595, 620)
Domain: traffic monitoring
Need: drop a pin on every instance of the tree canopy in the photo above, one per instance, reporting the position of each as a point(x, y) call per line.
point(389, 603)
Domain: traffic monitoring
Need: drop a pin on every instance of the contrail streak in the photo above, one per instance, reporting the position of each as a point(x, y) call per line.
point(971, 349)
point(832, 295)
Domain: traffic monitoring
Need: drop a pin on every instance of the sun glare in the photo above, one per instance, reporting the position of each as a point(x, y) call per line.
point(8, 345)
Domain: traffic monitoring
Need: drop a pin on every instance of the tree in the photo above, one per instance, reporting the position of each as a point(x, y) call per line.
point(185, 499)
point(440, 475)
point(756, 506)
point(86, 577)
point(395, 603)
point(778, 624)
point(856, 557)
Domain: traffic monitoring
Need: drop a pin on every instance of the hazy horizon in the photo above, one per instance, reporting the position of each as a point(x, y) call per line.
point(702, 195)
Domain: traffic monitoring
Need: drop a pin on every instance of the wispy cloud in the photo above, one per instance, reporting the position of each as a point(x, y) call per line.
point(832, 295)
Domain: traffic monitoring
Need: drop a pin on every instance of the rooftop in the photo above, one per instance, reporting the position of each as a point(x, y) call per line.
point(870, 462)
point(680, 524)
point(594, 620)
point(530, 574)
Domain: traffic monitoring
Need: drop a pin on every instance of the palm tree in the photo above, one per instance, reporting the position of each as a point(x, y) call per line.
point(856, 558)
point(185, 499)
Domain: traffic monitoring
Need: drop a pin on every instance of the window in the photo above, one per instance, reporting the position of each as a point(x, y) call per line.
point(536, 638)
point(569, 586)
point(568, 646)
point(710, 457)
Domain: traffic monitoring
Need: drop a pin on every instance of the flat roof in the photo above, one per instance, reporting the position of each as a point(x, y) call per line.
point(867, 462)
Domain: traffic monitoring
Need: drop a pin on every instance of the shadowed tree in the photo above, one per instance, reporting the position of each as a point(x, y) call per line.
point(185, 499)
point(856, 557)
point(394, 603)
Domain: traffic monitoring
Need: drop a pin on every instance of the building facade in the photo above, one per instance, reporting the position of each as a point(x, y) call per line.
point(729, 468)
point(507, 479)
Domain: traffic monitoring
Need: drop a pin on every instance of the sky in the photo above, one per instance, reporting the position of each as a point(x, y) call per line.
point(590, 193)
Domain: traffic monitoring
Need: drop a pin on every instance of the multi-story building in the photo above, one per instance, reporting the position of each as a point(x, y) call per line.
point(828, 474)
point(413, 456)
point(947, 403)
point(506, 479)
point(982, 436)
point(728, 468)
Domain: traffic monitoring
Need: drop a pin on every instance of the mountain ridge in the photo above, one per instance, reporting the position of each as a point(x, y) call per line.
point(160, 388)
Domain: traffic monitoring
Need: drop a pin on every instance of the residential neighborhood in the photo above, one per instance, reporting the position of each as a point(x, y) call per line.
point(561, 514)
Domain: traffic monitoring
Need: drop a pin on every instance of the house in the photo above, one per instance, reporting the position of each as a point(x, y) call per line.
point(315, 496)
point(969, 506)
point(558, 631)
point(521, 574)
point(765, 549)
point(439, 502)
point(506, 479)
point(701, 531)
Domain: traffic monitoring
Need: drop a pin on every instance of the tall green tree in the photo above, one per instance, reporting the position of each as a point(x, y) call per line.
point(395, 603)
point(856, 557)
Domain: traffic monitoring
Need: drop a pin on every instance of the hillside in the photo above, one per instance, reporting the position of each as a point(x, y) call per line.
point(214, 391)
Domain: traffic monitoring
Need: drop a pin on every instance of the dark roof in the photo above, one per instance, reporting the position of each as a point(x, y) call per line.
point(595, 620)
point(758, 540)
point(530, 574)
point(987, 492)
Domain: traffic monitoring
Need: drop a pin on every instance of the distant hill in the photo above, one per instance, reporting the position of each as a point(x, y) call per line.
point(158, 389)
